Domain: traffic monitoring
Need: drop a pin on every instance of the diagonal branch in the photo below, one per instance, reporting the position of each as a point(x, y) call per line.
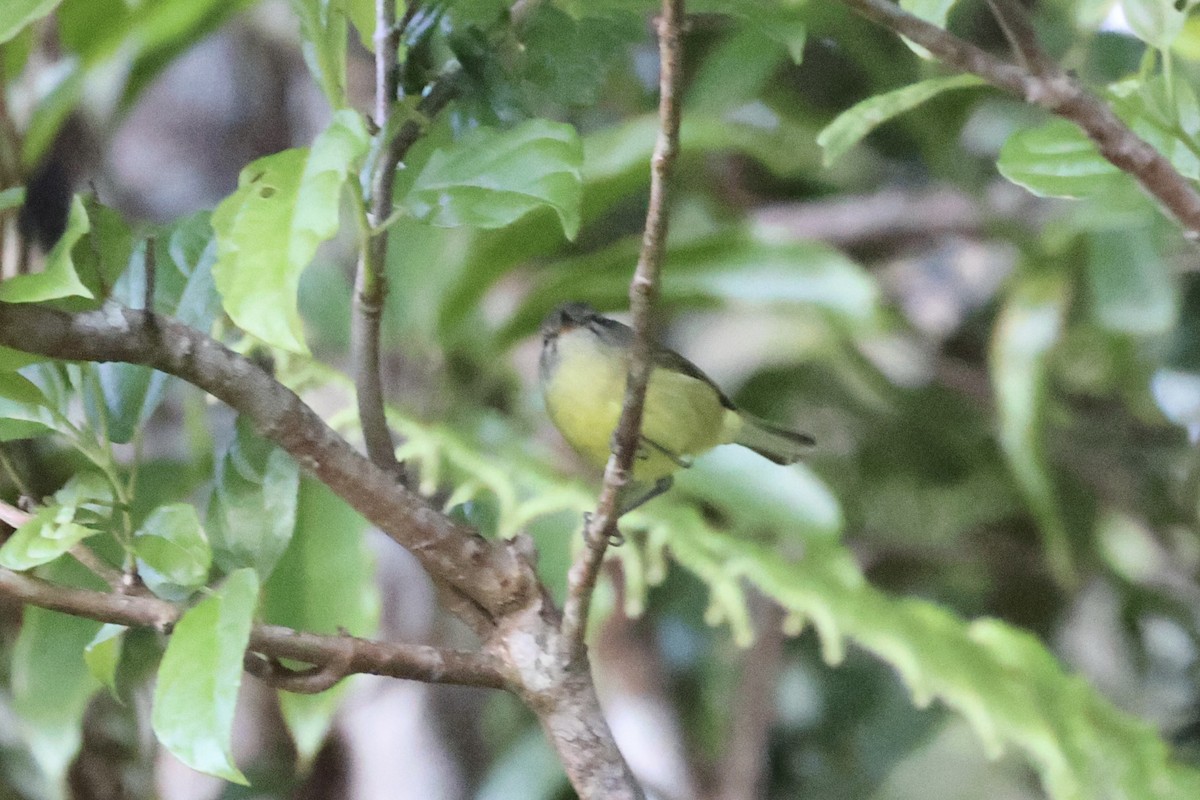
point(643, 291)
point(1057, 92)
point(348, 653)
point(493, 576)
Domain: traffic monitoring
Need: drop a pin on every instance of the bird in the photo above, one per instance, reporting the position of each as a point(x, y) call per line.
point(582, 370)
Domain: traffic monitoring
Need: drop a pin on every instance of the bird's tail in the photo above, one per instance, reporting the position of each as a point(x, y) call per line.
point(778, 444)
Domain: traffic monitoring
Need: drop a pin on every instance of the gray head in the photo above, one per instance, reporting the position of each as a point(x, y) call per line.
point(567, 317)
point(575, 316)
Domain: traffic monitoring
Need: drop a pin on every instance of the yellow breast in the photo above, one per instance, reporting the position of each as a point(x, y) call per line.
point(584, 392)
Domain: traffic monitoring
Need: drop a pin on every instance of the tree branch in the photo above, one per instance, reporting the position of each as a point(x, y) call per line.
point(1057, 92)
point(353, 655)
point(492, 575)
point(643, 291)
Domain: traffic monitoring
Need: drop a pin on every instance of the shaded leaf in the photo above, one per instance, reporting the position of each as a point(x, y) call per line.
point(252, 512)
point(491, 178)
point(323, 33)
point(174, 556)
point(1056, 159)
point(103, 654)
point(198, 680)
point(59, 278)
point(267, 231)
point(849, 128)
point(324, 583)
point(1133, 288)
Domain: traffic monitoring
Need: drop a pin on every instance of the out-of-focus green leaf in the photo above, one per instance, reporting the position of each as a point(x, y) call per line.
point(66, 85)
point(567, 59)
point(1029, 326)
point(267, 231)
point(1056, 160)
point(103, 654)
point(782, 23)
point(252, 513)
point(323, 31)
point(1133, 289)
point(528, 769)
point(849, 128)
point(58, 279)
point(50, 682)
point(48, 534)
point(1155, 22)
point(490, 178)
point(1168, 119)
point(935, 11)
point(19, 13)
point(198, 680)
point(324, 583)
point(174, 556)
point(184, 290)
point(13, 197)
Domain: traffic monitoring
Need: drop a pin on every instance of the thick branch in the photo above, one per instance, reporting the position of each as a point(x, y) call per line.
point(408, 661)
point(1057, 92)
point(643, 291)
point(493, 576)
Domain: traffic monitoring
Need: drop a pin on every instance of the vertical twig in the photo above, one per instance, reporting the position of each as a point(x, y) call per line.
point(643, 291)
point(370, 283)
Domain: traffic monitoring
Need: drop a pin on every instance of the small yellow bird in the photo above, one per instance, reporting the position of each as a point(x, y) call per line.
point(583, 368)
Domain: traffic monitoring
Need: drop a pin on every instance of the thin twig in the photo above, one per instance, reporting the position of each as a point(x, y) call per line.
point(354, 655)
point(1062, 95)
point(370, 283)
point(643, 291)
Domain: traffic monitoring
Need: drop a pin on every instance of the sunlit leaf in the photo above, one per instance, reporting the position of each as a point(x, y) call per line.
point(490, 178)
point(198, 680)
point(1155, 22)
point(323, 31)
point(49, 533)
point(19, 13)
point(58, 279)
point(324, 583)
point(267, 231)
point(852, 125)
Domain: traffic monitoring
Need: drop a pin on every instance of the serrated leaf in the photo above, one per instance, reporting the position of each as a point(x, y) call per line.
point(1029, 326)
point(51, 686)
point(1056, 159)
point(252, 513)
point(849, 128)
point(324, 583)
point(19, 13)
point(268, 230)
point(103, 654)
point(490, 179)
point(198, 680)
point(174, 557)
point(59, 278)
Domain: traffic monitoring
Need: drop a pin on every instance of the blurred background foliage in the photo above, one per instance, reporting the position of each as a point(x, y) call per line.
point(1002, 383)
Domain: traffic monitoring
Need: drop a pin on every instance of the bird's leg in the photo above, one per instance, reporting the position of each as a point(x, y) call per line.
point(683, 462)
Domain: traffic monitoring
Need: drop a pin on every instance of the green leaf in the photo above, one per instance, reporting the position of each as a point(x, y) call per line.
point(48, 534)
point(1056, 160)
point(1026, 332)
point(52, 110)
point(324, 583)
point(21, 390)
point(323, 34)
point(103, 654)
point(1133, 288)
point(268, 230)
point(184, 290)
point(933, 11)
point(490, 179)
point(174, 557)
point(19, 13)
point(51, 686)
point(252, 513)
point(58, 279)
point(1156, 22)
point(198, 680)
point(13, 197)
point(567, 59)
point(849, 128)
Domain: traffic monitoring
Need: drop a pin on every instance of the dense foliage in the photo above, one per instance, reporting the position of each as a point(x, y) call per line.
point(999, 525)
